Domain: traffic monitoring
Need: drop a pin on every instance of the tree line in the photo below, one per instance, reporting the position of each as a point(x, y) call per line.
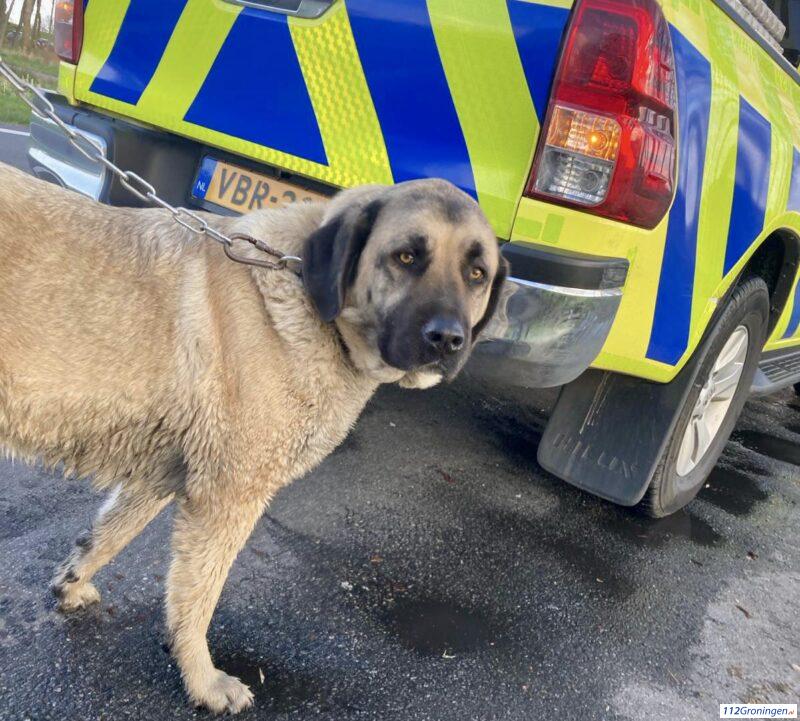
point(30, 28)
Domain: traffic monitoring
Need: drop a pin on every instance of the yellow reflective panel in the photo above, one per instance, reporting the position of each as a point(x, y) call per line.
point(550, 225)
point(332, 72)
point(186, 61)
point(479, 53)
point(66, 80)
point(341, 99)
point(102, 22)
point(720, 167)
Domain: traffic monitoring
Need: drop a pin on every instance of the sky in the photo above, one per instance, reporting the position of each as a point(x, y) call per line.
point(47, 10)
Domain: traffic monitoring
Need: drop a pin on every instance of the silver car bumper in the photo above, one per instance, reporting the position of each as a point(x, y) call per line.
point(168, 161)
point(52, 157)
point(544, 335)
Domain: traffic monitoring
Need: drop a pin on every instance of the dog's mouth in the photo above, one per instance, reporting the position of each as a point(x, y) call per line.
point(422, 377)
point(448, 371)
point(408, 357)
point(446, 368)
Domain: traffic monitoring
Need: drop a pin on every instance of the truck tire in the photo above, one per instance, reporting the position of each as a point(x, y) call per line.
point(714, 402)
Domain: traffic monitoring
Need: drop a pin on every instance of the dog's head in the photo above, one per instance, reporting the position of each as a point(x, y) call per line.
point(409, 273)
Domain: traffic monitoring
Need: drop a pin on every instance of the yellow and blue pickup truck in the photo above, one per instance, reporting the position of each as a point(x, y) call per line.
point(639, 161)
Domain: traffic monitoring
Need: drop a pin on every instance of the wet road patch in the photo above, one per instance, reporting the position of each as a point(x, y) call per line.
point(658, 531)
point(438, 628)
point(732, 491)
point(279, 689)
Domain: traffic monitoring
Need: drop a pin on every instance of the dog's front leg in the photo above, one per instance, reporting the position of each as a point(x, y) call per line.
point(207, 538)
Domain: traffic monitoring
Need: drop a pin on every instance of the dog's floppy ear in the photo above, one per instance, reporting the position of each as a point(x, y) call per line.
point(331, 254)
point(494, 297)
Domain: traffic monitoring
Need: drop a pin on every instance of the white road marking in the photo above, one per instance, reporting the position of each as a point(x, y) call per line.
point(9, 131)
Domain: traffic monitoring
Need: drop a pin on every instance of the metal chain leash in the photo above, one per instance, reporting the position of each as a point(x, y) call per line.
point(139, 187)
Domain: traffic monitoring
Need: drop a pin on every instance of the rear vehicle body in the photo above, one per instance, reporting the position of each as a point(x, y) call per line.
point(688, 179)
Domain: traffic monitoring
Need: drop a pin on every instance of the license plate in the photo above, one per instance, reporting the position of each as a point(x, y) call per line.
point(243, 190)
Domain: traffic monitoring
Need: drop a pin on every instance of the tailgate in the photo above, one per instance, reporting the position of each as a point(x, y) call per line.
point(372, 91)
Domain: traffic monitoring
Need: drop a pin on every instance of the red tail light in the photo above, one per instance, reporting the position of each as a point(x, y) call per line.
point(608, 142)
point(68, 24)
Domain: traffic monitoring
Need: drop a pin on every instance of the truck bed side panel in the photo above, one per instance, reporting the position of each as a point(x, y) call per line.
point(739, 131)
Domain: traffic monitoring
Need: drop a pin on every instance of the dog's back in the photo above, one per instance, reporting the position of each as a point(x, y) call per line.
point(114, 323)
point(87, 299)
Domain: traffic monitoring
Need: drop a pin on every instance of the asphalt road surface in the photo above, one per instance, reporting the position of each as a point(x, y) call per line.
point(14, 145)
point(430, 570)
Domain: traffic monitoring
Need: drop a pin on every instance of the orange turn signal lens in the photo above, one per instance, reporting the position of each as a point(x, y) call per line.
point(586, 133)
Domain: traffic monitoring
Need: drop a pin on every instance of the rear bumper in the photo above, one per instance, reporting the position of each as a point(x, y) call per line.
point(53, 158)
point(553, 319)
point(168, 161)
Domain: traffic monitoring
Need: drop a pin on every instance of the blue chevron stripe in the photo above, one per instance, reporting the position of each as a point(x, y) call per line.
point(140, 43)
point(409, 88)
point(259, 95)
point(749, 203)
point(669, 336)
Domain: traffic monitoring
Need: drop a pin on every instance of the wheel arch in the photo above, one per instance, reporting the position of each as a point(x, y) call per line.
point(776, 261)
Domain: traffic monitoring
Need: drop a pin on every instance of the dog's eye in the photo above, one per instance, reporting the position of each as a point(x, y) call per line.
point(476, 274)
point(405, 257)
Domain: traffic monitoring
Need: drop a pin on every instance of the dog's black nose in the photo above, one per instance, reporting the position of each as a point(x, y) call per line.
point(445, 335)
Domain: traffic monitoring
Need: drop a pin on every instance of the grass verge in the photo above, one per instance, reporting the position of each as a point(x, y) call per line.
point(12, 110)
point(33, 68)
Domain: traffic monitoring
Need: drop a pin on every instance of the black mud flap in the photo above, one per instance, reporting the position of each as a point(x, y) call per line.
point(608, 431)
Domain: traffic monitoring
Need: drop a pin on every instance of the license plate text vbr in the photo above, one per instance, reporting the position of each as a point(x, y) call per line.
point(243, 190)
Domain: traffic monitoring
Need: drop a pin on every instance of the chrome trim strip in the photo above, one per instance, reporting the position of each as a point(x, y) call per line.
point(578, 292)
point(309, 9)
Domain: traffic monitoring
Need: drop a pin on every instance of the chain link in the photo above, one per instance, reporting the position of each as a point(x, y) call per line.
point(135, 184)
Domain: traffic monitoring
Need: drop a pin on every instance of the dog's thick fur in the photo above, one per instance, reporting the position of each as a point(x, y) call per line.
point(134, 352)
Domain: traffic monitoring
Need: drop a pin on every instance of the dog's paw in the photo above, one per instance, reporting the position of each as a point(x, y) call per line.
point(223, 693)
point(75, 596)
